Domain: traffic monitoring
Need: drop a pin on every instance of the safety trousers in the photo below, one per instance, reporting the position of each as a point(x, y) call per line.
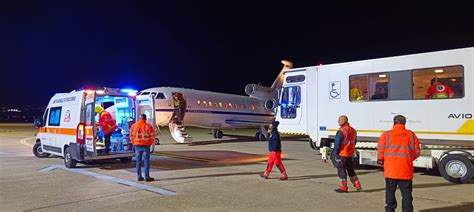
point(274, 158)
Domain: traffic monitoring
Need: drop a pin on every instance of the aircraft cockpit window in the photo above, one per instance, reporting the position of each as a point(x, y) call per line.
point(144, 93)
point(160, 96)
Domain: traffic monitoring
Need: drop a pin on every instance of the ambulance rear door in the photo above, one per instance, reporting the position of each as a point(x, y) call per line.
point(146, 105)
point(89, 114)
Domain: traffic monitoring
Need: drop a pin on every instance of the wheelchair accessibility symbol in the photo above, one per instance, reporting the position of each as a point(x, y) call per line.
point(335, 90)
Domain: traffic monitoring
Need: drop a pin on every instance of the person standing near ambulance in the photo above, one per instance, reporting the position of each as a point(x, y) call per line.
point(108, 125)
point(142, 136)
point(274, 155)
point(343, 153)
point(397, 149)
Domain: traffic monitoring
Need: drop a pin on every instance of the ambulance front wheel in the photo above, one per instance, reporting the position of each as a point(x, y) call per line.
point(38, 151)
point(69, 162)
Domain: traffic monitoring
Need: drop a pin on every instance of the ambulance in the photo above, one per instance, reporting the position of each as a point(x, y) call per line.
point(371, 92)
point(69, 128)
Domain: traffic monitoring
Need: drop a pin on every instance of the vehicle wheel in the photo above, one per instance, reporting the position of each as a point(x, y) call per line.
point(126, 160)
point(257, 136)
point(262, 137)
point(69, 162)
point(38, 151)
point(312, 144)
point(456, 168)
point(214, 133)
point(219, 134)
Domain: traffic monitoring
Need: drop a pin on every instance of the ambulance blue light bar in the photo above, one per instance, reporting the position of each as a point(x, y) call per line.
point(128, 90)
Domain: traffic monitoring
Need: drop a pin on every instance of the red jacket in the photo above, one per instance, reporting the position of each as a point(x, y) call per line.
point(107, 122)
point(398, 148)
point(142, 134)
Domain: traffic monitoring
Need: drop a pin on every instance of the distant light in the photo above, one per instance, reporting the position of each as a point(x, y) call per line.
point(453, 80)
point(100, 91)
point(439, 71)
point(382, 75)
point(129, 91)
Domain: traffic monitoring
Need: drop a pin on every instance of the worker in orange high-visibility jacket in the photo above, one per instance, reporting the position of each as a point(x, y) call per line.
point(343, 153)
point(108, 125)
point(397, 149)
point(142, 136)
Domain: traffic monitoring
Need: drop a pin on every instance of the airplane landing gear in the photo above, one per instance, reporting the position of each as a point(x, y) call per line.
point(216, 133)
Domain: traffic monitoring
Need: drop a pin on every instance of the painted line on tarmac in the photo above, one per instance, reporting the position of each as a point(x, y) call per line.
point(108, 178)
point(183, 157)
point(8, 132)
point(23, 141)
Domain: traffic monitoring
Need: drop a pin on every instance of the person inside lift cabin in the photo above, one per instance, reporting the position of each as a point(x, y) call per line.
point(274, 155)
point(108, 125)
point(438, 90)
point(355, 93)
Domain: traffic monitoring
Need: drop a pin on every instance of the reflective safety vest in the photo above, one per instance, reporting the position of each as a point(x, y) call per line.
point(142, 134)
point(356, 95)
point(348, 144)
point(107, 122)
point(439, 91)
point(398, 148)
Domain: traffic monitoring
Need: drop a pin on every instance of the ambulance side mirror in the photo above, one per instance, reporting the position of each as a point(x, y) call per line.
point(38, 122)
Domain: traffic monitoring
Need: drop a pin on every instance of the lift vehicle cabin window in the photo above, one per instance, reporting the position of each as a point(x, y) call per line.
point(160, 96)
point(369, 87)
point(55, 116)
point(438, 83)
point(290, 101)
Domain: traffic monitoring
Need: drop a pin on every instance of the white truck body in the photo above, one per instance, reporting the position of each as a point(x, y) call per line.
point(312, 98)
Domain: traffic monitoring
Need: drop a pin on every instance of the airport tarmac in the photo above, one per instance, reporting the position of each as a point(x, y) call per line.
point(208, 175)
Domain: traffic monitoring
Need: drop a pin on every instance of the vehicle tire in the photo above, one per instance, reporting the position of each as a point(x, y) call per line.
point(219, 134)
point(69, 162)
point(262, 137)
point(38, 151)
point(214, 133)
point(257, 136)
point(456, 168)
point(126, 160)
point(312, 144)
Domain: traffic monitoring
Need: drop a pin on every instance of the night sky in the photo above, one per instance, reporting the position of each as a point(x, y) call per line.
point(57, 46)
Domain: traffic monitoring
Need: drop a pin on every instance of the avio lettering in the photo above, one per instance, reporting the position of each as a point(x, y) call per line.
point(460, 116)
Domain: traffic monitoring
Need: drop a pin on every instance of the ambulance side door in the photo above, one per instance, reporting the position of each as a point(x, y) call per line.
point(44, 135)
point(146, 105)
point(89, 122)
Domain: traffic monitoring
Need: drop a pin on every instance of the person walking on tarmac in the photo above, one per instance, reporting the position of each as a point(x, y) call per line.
point(397, 149)
point(343, 153)
point(108, 125)
point(274, 155)
point(142, 136)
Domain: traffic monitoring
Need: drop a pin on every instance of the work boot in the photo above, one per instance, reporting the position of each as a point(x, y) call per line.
point(140, 179)
point(284, 176)
point(355, 181)
point(265, 175)
point(150, 179)
point(341, 189)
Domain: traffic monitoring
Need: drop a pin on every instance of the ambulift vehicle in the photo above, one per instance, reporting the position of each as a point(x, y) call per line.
point(312, 99)
point(69, 126)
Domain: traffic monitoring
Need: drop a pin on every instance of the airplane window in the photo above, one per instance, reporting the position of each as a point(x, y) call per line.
point(215, 104)
point(220, 104)
point(199, 103)
point(160, 96)
point(253, 107)
point(204, 103)
point(230, 105)
point(210, 104)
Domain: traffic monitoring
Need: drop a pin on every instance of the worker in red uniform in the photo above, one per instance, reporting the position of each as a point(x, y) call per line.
point(438, 90)
point(397, 149)
point(343, 153)
point(274, 155)
point(108, 125)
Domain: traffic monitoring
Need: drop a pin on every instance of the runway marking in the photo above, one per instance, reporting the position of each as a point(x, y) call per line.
point(108, 178)
point(8, 132)
point(23, 141)
point(183, 157)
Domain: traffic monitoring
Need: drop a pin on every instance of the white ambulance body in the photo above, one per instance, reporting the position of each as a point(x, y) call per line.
point(312, 99)
point(68, 128)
